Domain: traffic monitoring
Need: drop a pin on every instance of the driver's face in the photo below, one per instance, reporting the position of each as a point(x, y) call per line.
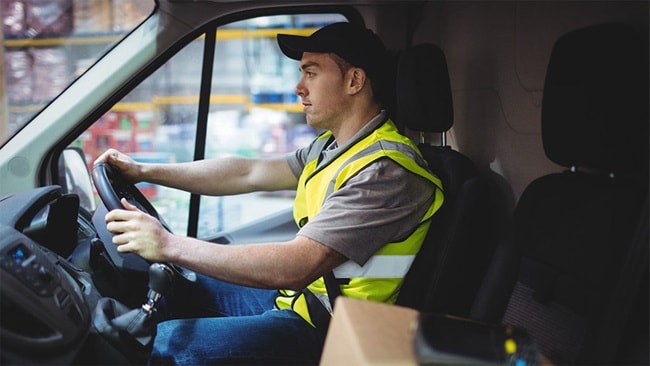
point(322, 90)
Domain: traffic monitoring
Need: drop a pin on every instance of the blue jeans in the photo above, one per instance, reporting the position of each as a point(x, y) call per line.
point(214, 322)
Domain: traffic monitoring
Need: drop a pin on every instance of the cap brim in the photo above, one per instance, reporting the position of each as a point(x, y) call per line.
point(292, 46)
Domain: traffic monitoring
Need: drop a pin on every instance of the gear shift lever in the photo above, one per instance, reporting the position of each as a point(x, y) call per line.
point(160, 278)
point(131, 331)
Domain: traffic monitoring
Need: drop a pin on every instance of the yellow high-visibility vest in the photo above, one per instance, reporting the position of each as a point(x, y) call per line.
point(382, 275)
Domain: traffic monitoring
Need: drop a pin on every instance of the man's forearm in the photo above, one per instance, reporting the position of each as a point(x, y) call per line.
point(224, 176)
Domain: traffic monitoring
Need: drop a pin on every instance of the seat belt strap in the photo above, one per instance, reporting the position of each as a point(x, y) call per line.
point(332, 285)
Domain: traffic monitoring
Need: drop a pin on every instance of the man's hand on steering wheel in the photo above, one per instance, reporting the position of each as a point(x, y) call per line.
point(135, 223)
point(128, 168)
point(137, 232)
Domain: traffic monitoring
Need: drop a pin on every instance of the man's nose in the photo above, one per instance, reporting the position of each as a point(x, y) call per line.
point(300, 90)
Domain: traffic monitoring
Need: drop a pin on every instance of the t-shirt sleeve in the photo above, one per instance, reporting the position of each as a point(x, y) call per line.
point(297, 160)
point(382, 204)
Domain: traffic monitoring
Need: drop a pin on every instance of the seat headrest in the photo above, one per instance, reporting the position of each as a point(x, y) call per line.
point(595, 101)
point(423, 89)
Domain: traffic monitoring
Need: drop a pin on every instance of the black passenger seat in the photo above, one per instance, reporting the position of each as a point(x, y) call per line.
point(575, 275)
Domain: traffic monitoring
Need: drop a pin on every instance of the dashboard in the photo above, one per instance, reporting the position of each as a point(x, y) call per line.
point(48, 292)
point(61, 287)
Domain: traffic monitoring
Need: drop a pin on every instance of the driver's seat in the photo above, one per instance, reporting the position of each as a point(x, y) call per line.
point(449, 268)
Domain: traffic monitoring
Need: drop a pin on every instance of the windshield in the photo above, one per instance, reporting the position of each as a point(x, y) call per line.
point(47, 44)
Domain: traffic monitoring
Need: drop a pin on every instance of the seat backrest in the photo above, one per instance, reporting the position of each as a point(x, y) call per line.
point(577, 265)
point(443, 278)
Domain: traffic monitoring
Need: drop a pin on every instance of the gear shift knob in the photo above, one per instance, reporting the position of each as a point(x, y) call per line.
point(160, 278)
point(133, 330)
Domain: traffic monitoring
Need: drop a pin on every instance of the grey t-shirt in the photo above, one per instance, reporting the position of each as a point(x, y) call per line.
point(383, 203)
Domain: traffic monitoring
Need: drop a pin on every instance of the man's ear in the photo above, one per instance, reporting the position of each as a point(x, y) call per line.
point(357, 80)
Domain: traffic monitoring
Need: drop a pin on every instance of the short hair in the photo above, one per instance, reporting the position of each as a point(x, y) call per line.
point(378, 89)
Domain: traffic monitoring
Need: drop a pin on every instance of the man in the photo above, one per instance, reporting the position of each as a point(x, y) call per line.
point(364, 198)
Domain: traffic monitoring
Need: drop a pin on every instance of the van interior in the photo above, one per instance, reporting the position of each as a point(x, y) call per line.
point(533, 113)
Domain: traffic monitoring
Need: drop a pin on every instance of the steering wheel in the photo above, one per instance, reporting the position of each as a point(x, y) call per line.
point(112, 187)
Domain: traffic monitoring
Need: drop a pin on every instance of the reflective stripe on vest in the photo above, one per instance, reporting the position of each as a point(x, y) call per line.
point(380, 266)
point(380, 278)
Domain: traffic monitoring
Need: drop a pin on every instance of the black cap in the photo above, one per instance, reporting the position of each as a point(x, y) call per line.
point(355, 44)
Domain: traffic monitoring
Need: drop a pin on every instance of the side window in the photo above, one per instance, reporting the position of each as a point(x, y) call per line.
point(266, 121)
point(155, 123)
point(253, 112)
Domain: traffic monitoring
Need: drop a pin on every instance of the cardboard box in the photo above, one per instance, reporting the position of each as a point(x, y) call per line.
point(369, 333)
